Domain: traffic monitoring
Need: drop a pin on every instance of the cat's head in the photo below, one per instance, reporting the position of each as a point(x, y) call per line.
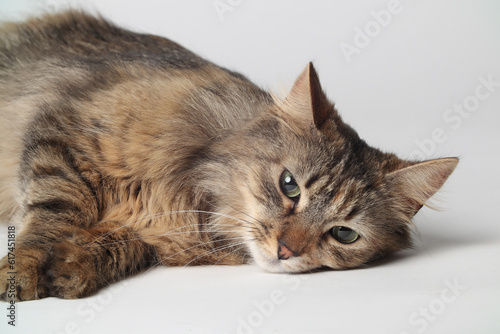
point(310, 193)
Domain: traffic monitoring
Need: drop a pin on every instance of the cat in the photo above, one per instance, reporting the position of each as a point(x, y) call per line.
point(123, 151)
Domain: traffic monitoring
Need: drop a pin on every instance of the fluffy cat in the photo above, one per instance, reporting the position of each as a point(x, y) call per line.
point(122, 151)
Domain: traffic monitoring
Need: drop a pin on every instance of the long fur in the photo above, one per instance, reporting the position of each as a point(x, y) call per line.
point(122, 151)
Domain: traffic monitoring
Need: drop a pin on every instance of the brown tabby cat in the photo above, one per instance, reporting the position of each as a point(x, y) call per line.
point(121, 151)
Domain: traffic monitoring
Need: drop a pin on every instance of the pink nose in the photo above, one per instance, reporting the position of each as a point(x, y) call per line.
point(284, 253)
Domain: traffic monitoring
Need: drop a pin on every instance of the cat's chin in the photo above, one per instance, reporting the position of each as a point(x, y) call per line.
point(269, 265)
point(274, 265)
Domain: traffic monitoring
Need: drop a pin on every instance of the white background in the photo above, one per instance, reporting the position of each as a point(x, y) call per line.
point(395, 91)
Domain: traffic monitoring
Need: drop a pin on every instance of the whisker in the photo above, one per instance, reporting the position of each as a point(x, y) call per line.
point(184, 250)
point(234, 251)
point(160, 235)
point(157, 215)
point(217, 249)
point(246, 214)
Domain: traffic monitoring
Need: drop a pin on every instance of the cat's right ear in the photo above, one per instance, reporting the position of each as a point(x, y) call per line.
point(307, 105)
point(412, 186)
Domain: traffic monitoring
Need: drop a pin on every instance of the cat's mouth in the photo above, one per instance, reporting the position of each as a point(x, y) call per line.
point(271, 262)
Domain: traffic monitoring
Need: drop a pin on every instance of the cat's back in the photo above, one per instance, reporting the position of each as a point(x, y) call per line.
point(123, 98)
point(77, 36)
point(78, 51)
point(75, 56)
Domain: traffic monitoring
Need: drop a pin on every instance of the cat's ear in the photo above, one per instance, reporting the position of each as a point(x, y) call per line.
point(306, 103)
point(412, 186)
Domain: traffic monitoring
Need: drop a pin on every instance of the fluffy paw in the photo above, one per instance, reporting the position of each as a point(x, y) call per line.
point(67, 271)
point(19, 277)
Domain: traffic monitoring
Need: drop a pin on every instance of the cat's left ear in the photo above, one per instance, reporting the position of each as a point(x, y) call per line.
point(307, 104)
point(412, 186)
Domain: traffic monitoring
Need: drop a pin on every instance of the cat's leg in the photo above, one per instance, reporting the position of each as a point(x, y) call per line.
point(61, 200)
point(73, 262)
point(58, 197)
point(80, 264)
point(91, 259)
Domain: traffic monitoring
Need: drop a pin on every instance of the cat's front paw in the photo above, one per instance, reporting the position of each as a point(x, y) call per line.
point(19, 277)
point(67, 271)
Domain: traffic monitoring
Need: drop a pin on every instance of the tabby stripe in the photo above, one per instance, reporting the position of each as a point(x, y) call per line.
point(330, 195)
point(312, 180)
point(266, 229)
point(339, 255)
point(70, 160)
point(354, 211)
point(347, 200)
point(43, 172)
point(326, 186)
point(59, 148)
point(269, 189)
point(33, 146)
point(56, 206)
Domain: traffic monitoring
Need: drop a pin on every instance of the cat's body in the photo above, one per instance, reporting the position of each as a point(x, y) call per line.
point(120, 151)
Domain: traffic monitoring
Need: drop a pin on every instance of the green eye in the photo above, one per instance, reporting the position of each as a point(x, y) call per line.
point(344, 234)
point(289, 186)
